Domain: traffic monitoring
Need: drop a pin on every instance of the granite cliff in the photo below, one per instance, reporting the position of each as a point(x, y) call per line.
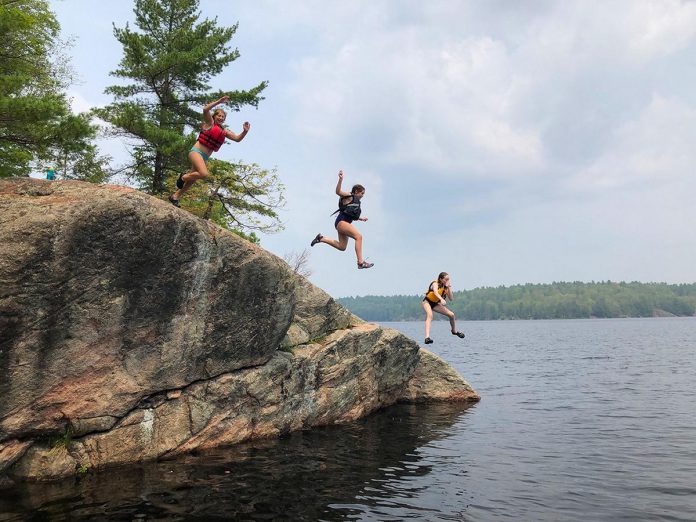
point(131, 330)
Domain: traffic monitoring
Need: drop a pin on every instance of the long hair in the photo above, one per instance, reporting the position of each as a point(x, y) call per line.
point(442, 276)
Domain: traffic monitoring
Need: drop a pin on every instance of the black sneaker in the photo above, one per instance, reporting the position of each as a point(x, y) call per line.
point(428, 340)
point(316, 240)
point(174, 202)
point(459, 334)
point(365, 264)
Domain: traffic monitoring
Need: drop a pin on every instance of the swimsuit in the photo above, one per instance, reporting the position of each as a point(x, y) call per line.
point(203, 154)
point(342, 217)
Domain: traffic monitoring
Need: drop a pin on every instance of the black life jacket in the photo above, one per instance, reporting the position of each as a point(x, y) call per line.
point(350, 210)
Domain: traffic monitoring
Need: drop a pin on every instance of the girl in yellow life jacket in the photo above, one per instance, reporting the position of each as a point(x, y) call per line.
point(434, 300)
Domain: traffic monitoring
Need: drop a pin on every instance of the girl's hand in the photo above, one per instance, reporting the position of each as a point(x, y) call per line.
point(340, 175)
point(443, 302)
point(224, 99)
point(246, 126)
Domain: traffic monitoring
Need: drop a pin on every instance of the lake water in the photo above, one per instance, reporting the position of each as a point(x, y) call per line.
point(579, 420)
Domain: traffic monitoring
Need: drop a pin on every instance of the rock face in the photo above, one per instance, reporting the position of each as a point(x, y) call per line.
point(132, 330)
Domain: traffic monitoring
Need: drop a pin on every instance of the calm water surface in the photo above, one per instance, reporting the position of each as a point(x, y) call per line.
point(580, 420)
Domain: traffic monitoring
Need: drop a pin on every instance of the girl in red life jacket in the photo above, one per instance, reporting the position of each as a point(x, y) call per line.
point(210, 140)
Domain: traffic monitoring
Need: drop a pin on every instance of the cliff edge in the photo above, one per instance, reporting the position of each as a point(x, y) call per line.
point(132, 330)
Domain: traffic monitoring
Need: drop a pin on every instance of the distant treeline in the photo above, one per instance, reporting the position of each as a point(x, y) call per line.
point(540, 301)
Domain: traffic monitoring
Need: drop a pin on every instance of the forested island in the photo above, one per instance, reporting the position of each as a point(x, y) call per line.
point(540, 301)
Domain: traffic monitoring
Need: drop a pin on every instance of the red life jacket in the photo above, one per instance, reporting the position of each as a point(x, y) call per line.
point(213, 138)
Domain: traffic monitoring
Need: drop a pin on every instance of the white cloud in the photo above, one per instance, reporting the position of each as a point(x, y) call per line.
point(655, 148)
point(554, 139)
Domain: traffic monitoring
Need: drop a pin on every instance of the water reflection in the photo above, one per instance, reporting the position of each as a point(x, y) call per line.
point(328, 473)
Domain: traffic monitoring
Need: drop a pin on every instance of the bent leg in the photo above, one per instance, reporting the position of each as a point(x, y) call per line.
point(199, 171)
point(341, 244)
point(348, 229)
point(440, 309)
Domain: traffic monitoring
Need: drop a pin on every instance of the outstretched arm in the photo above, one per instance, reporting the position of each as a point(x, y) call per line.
point(238, 137)
point(207, 117)
point(340, 192)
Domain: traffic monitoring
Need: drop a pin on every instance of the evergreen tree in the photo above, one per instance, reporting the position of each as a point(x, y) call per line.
point(168, 64)
point(74, 154)
point(35, 117)
point(541, 301)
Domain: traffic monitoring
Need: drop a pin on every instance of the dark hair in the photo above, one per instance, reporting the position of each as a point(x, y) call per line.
point(442, 276)
point(357, 188)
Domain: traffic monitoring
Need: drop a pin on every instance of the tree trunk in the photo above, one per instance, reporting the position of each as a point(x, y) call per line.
point(158, 178)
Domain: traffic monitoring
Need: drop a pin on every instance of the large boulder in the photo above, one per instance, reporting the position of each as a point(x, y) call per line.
point(130, 330)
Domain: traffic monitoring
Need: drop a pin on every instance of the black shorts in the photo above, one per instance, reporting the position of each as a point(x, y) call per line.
point(342, 217)
point(432, 305)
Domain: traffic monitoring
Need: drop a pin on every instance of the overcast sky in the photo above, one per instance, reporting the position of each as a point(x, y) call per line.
point(502, 141)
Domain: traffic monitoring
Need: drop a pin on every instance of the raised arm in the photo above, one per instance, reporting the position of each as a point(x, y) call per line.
point(207, 117)
point(238, 137)
point(449, 292)
point(340, 192)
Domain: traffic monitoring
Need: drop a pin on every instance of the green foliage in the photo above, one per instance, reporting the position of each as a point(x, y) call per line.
point(61, 441)
point(168, 65)
point(242, 198)
point(35, 116)
point(540, 301)
point(74, 155)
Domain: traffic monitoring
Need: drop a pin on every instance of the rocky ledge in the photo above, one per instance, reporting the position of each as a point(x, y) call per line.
point(131, 330)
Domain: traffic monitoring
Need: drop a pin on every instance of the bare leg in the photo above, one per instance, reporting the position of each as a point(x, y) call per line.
point(200, 171)
point(449, 313)
point(341, 244)
point(348, 229)
point(428, 318)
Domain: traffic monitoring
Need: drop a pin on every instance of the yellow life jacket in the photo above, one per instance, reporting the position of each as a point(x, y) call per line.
point(431, 296)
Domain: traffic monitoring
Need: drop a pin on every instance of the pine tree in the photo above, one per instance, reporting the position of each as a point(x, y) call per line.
point(169, 63)
point(34, 110)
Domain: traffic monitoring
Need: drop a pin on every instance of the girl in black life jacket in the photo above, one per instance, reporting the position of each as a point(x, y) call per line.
point(348, 211)
point(209, 140)
point(434, 301)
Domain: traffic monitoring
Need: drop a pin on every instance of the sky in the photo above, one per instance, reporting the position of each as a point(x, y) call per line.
point(503, 142)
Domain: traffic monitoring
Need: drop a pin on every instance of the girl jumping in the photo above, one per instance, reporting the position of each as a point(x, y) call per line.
point(348, 211)
point(434, 300)
point(209, 140)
